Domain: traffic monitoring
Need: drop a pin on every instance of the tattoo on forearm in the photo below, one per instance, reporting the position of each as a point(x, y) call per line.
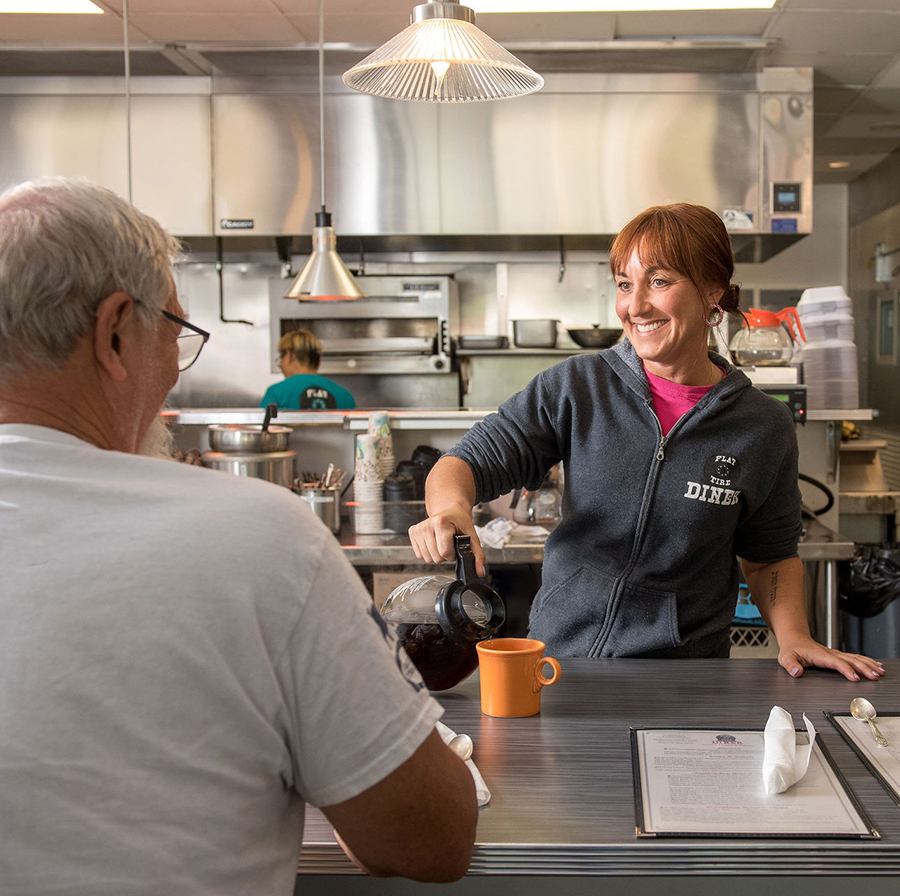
point(773, 588)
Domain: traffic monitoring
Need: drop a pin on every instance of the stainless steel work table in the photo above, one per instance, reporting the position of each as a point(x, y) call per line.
point(562, 796)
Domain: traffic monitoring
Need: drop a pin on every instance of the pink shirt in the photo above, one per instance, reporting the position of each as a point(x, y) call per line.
point(672, 400)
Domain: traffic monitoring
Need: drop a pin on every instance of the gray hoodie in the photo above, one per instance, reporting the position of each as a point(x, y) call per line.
point(644, 560)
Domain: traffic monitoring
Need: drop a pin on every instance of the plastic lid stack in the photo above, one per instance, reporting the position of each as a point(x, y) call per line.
point(829, 354)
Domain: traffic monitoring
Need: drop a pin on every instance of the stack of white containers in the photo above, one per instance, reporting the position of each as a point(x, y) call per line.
point(829, 354)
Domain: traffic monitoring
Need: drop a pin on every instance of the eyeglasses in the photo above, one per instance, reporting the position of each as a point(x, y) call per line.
point(189, 344)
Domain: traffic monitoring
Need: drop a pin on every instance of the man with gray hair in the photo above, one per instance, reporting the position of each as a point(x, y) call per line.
point(186, 657)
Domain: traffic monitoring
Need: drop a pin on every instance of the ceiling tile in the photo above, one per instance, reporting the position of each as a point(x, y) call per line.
point(834, 99)
point(841, 176)
point(137, 8)
point(877, 102)
point(889, 77)
point(167, 28)
point(836, 31)
point(860, 127)
point(548, 26)
point(392, 10)
point(848, 69)
point(364, 30)
point(822, 122)
point(853, 145)
point(858, 5)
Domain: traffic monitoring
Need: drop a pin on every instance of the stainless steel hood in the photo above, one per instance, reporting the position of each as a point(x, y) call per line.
point(576, 160)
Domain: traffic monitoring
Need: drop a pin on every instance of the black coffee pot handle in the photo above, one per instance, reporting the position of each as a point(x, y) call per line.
point(465, 559)
point(448, 605)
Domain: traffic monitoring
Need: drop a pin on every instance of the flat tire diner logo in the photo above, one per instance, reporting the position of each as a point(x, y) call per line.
point(721, 473)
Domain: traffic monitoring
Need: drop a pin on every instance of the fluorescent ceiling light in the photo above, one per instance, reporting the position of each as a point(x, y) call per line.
point(486, 6)
point(49, 6)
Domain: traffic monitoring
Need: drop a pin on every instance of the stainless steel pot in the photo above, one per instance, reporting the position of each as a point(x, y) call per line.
point(235, 438)
point(273, 466)
point(538, 333)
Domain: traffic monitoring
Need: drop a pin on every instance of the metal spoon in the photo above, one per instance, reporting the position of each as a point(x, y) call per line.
point(861, 709)
point(461, 744)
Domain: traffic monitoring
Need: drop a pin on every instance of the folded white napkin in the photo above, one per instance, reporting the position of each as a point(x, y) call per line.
point(784, 763)
point(499, 530)
point(481, 791)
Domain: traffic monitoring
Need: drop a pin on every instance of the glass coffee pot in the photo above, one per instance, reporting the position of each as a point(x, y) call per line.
point(439, 619)
point(542, 507)
point(767, 338)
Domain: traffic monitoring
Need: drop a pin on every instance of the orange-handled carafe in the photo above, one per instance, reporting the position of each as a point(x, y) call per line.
point(766, 338)
point(789, 317)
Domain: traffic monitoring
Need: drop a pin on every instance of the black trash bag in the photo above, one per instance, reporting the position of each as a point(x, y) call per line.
point(871, 580)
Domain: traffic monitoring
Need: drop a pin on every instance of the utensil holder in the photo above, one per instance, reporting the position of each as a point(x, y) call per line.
point(325, 503)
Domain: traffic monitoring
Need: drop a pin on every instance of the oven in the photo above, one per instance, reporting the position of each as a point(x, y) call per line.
point(403, 326)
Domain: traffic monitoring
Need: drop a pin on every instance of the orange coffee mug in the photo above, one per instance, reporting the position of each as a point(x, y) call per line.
point(512, 676)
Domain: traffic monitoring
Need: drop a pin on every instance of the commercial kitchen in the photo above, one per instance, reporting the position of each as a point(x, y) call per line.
point(479, 233)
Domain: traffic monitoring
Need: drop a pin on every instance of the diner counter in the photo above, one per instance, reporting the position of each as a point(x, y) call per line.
point(562, 793)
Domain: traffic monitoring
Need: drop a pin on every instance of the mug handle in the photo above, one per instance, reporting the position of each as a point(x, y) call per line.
point(539, 679)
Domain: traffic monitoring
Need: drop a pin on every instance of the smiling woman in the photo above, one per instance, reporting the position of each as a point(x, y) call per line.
point(681, 479)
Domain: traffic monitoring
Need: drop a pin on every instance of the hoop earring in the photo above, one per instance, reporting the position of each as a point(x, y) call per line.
point(719, 317)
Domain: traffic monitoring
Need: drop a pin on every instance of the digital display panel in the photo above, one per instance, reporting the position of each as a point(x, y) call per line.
point(786, 196)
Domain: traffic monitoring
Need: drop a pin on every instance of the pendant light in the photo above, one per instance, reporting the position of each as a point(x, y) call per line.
point(442, 57)
point(324, 276)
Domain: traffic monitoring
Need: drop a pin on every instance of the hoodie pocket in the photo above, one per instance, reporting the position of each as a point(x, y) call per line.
point(577, 617)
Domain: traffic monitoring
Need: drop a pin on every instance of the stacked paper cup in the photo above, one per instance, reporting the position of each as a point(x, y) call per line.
point(829, 354)
point(368, 484)
point(380, 426)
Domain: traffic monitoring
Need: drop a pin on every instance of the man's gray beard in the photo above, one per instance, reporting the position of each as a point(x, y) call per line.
point(158, 440)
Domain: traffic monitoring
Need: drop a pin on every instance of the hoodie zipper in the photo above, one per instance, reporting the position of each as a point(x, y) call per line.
point(643, 516)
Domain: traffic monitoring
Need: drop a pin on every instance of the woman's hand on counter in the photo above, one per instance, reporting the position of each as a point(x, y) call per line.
point(797, 655)
point(779, 596)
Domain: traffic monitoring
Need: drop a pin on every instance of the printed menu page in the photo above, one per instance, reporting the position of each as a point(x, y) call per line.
point(691, 782)
point(883, 762)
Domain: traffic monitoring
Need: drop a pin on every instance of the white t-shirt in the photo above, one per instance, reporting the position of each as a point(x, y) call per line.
point(186, 656)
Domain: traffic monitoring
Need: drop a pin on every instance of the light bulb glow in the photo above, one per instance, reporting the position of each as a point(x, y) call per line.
point(440, 69)
point(548, 6)
point(40, 7)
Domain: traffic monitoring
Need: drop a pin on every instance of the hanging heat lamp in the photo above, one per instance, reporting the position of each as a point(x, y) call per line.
point(442, 57)
point(324, 276)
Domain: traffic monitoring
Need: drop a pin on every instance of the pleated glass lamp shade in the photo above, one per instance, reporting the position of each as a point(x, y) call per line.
point(442, 60)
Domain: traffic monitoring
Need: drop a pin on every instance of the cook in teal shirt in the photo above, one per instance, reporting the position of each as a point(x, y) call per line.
point(299, 354)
